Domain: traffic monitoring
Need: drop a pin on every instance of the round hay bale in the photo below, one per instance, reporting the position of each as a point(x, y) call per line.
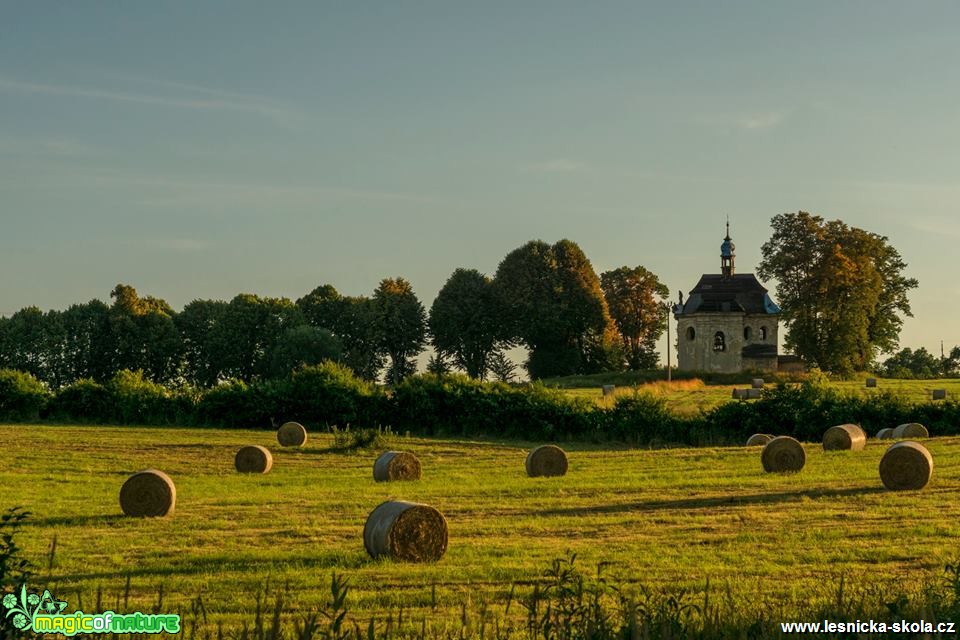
point(292, 434)
point(396, 465)
point(871, 383)
point(783, 454)
point(546, 460)
point(739, 394)
point(910, 430)
point(608, 389)
point(844, 437)
point(757, 383)
point(906, 466)
point(148, 494)
point(759, 439)
point(753, 394)
point(253, 459)
point(406, 531)
point(939, 394)
point(885, 434)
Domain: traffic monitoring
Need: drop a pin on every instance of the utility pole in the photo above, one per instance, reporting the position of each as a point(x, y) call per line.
point(669, 361)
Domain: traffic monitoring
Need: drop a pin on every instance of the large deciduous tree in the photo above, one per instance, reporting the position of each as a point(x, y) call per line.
point(465, 321)
point(143, 335)
point(635, 298)
point(841, 289)
point(352, 320)
point(402, 323)
point(552, 303)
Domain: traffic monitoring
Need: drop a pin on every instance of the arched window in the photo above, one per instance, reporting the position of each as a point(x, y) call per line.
point(719, 341)
point(763, 333)
point(691, 334)
point(747, 332)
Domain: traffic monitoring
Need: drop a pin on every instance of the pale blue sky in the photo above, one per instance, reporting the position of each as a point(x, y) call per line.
point(200, 151)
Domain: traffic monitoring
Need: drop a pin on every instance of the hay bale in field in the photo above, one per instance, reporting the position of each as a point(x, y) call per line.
point(906, 466)
point(783, 454)
point(148, 494)
point(759, 439)
point(739, 394)
point(754, 394)
point(253, 459)
point(608, 389)
point(885, 434)
point(939, 394)
point(871, 383)
point(292, 434)
point(405, 531)
point(757, 383)
point(546, 460)
point(910, 430)
point(396, 465)
point(844, 437)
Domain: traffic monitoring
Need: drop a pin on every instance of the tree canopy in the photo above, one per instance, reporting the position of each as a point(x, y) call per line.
point(635, 298)
point(841, 289)
point(552, 302)
point(465, 321)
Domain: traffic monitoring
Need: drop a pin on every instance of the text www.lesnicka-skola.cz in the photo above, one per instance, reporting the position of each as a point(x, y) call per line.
point(867, 626)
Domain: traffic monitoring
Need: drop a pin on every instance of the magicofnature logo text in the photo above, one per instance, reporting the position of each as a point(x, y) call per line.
point(44, 614)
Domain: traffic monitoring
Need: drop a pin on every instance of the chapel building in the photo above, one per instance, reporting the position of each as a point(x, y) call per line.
point(729, 324)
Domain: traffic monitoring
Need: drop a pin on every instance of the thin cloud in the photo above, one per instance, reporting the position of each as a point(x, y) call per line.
point(168, 191)
point(218, 101)
point(759, 121)
point(556, 165)
point(181, 244)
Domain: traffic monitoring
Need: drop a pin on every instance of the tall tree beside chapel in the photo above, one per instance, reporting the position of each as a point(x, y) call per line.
point(841, 288)
point(635, 298)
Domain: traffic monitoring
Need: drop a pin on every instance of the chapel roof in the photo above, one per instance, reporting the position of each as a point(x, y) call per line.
point(737, 293)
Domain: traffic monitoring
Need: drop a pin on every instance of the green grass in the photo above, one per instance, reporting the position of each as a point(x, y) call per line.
point(663, 519)
point(686, 397)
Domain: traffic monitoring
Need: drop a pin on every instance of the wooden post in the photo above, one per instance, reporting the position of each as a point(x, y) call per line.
point(669, 361)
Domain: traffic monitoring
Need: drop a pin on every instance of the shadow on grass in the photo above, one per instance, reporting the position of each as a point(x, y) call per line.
point(218, 564)
point(712, 502)
point(103, 518)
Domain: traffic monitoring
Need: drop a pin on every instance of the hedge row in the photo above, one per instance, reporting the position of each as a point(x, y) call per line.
point(329, 395)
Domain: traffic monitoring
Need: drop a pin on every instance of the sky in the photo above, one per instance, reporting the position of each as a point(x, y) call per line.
point(200, 150)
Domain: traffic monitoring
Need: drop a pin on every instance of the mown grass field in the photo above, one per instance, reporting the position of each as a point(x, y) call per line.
point(687, 397)
point(662, 519)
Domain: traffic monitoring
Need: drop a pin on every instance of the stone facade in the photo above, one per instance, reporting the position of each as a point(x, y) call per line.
point(698, 346)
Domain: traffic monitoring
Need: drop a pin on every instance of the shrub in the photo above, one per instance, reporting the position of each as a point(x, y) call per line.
point(239, 405)
point(136, 400)
point(456, 404)
point(21, 396)
point(83, 401)
point(330, 394)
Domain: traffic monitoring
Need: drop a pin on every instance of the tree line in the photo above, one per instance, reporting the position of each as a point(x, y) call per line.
point(545, 297)
point(842, 291)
